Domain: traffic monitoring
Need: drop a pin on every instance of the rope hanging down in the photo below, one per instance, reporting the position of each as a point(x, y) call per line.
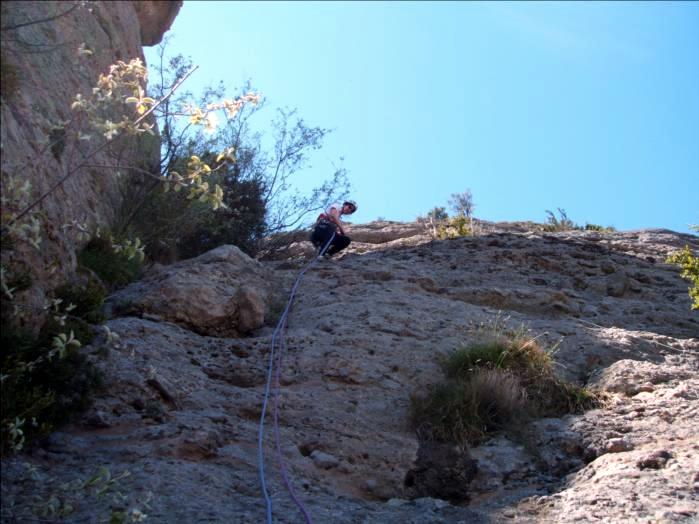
point(279, 334)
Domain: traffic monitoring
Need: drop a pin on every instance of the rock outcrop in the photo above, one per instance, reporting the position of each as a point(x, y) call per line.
point(42, 72)
point(180, 410)
point(155, 17)
point(220, 293)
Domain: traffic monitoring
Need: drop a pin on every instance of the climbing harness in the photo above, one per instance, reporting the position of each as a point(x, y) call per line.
point(279, 333)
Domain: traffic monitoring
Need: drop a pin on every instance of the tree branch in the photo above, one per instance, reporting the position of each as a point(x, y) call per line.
point(92, 154)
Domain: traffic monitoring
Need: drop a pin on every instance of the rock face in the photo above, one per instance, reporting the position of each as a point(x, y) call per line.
point(155, 17)
point(441, 471)
point(220, 293)
point(42, 73)
point(181, 410)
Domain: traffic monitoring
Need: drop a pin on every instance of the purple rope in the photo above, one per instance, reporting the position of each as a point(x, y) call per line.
point(279, 330)
point(277, 438)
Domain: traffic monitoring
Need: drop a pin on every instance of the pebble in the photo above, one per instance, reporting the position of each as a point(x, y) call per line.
point(618, 445)
point(97, 419)
point(655, 460)
point(324, 460)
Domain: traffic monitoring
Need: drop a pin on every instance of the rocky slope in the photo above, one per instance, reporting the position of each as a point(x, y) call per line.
point(184, 388)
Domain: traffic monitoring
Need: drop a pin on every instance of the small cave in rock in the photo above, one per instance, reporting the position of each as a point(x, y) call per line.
point(307, 448)
point(442, 471)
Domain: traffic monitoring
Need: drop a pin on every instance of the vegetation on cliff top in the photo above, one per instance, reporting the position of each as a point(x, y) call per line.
point(688, 262)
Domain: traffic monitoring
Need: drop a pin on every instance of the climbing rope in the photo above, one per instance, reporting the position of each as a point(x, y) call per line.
point(279, 332)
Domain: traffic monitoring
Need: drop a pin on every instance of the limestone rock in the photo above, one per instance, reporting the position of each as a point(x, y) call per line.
point(181, 410)
point(48, 73)
point(155, 17)
point(441, 470)
point(500, 462)
point(324, 460)
point(632, 376)
point(654, 460)
point(618, 445)
point(222, 292)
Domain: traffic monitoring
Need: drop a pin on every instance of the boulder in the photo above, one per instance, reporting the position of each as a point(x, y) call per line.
point(630, 377)
point(220, 293)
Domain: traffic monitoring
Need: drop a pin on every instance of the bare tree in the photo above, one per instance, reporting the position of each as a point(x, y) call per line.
point(462, 204)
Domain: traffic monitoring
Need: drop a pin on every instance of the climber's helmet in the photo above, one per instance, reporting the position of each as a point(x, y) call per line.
point(349, 207)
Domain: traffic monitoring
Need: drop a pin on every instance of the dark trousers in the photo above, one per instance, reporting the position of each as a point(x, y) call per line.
point(322, 233)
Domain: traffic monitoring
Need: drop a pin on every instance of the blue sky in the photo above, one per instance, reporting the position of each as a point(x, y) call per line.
point(590, 107)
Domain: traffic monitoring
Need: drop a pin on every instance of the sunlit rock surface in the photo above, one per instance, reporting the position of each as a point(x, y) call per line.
point(180, 410)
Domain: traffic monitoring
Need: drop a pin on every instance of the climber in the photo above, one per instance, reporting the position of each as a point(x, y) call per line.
point(329, 223)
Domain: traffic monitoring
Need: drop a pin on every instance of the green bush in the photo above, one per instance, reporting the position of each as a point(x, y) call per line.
point(174, 227)
point(516, 352)
point(87, 299)
point(19, 280)
point(563, 223)
point(82, 330)
point(601, 229)
point(529, 362)
point(492, 385)
point(116, 270)
point(689, 263)
point(454, 228)
point(47, 394)
point(39, 391)
point(241, 223)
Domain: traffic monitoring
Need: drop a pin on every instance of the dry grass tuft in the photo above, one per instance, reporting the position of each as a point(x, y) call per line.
point(495, 384)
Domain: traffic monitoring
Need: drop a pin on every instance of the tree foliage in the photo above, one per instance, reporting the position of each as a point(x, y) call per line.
point(440, 226)
point(215, 184)
point(36, 369)
point(689, 265)
point(258, 183)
